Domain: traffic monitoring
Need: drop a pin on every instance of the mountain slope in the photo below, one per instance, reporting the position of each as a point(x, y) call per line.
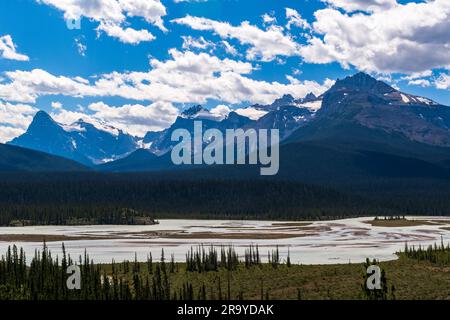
point(363, 100)
point(81, 141)
point(161, 143)
point(14, 159)
point(139, 160)
point(364, 129)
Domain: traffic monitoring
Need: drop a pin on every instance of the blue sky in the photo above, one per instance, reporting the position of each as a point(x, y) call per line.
point(136, 63)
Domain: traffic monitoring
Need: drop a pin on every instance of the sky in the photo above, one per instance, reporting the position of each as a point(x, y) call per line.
point(136, 64)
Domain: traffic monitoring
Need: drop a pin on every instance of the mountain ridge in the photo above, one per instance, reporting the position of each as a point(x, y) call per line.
point(358, 101)
point(81, 141)
point(15, 158)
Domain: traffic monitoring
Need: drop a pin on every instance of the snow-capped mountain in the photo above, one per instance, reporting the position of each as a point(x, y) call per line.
point(81, 141)
point(354, 102)
point(285, 114)
point(160, 143)
point(310, 101)
point(374, 104)
point(286, 119)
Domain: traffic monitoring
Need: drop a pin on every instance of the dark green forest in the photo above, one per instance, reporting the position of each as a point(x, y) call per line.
point(218, 273)
point(97, 198)
point(112, 199)
point(46, 277)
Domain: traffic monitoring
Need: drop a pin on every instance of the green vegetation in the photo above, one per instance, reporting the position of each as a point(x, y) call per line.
point(437, 254)
point(208, 274)
point(97, 198)
point(100, 199)
point(397, 221)
point(384, 292)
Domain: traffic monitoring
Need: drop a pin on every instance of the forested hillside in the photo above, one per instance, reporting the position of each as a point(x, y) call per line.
point(81, 198)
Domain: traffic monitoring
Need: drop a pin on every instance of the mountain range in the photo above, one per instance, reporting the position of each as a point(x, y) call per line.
point(93, 144)
point(360, 127)
point(15, 159)
point(81, 141)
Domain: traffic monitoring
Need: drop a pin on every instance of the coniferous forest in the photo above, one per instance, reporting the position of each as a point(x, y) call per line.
point(219, 274)
point(91, 198)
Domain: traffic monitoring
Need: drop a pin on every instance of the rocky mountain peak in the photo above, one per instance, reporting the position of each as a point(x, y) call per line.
point(193, 111)
point(361, 82)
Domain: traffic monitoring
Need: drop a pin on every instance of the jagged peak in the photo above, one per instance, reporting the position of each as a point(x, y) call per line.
point(362, 81)
point(192, 111)
point(309, 97)
point(287, 98)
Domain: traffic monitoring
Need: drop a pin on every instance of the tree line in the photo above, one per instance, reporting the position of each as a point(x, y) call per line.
point(437, 253)
point(45, 277)
point(101, 199)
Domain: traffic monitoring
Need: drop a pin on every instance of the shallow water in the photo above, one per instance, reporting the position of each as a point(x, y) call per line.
point(321, 242)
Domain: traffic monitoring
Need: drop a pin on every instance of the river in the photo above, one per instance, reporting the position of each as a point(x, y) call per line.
point(316, 242)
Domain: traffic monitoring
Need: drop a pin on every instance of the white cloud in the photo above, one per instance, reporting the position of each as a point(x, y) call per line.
point(295, 19)
point(229, 48)
point(419, 82)
point(112, 15)
point(8, 49)
point(81, 48)
point(443, 81)
point(190, 42)
point(417, 75)
point(151, 10)
point(125, 35)
point(407, 39)
point(221, 111)
point(26, 86)
point(268, 18)
point(265, 45)
point(186, 77)
point(363, 5)
point(135, 119)
point(251, 113)
point(14, 119)
point(56, 105)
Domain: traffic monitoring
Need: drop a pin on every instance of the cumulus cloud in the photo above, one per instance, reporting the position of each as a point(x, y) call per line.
point(81, 48)
point(419, 82)
point(190, 42)
point(362, 5)
point(220, 111)
point(264, 45)
point(186, 77)
point(56, 105)
point(26, 86)
point(230, 49)
point(295, 19)
point(268, 18)
point(8, 49)
point(14, 119)
point(136, 119)
point(112, 15)
point(407, 38)
point(125, 35)
point(443, 81)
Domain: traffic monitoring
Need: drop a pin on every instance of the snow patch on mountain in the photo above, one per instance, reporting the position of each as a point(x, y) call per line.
point(313, 106)
point(251, 113)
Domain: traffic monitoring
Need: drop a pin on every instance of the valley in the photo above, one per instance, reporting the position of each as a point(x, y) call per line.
point(314, 242)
